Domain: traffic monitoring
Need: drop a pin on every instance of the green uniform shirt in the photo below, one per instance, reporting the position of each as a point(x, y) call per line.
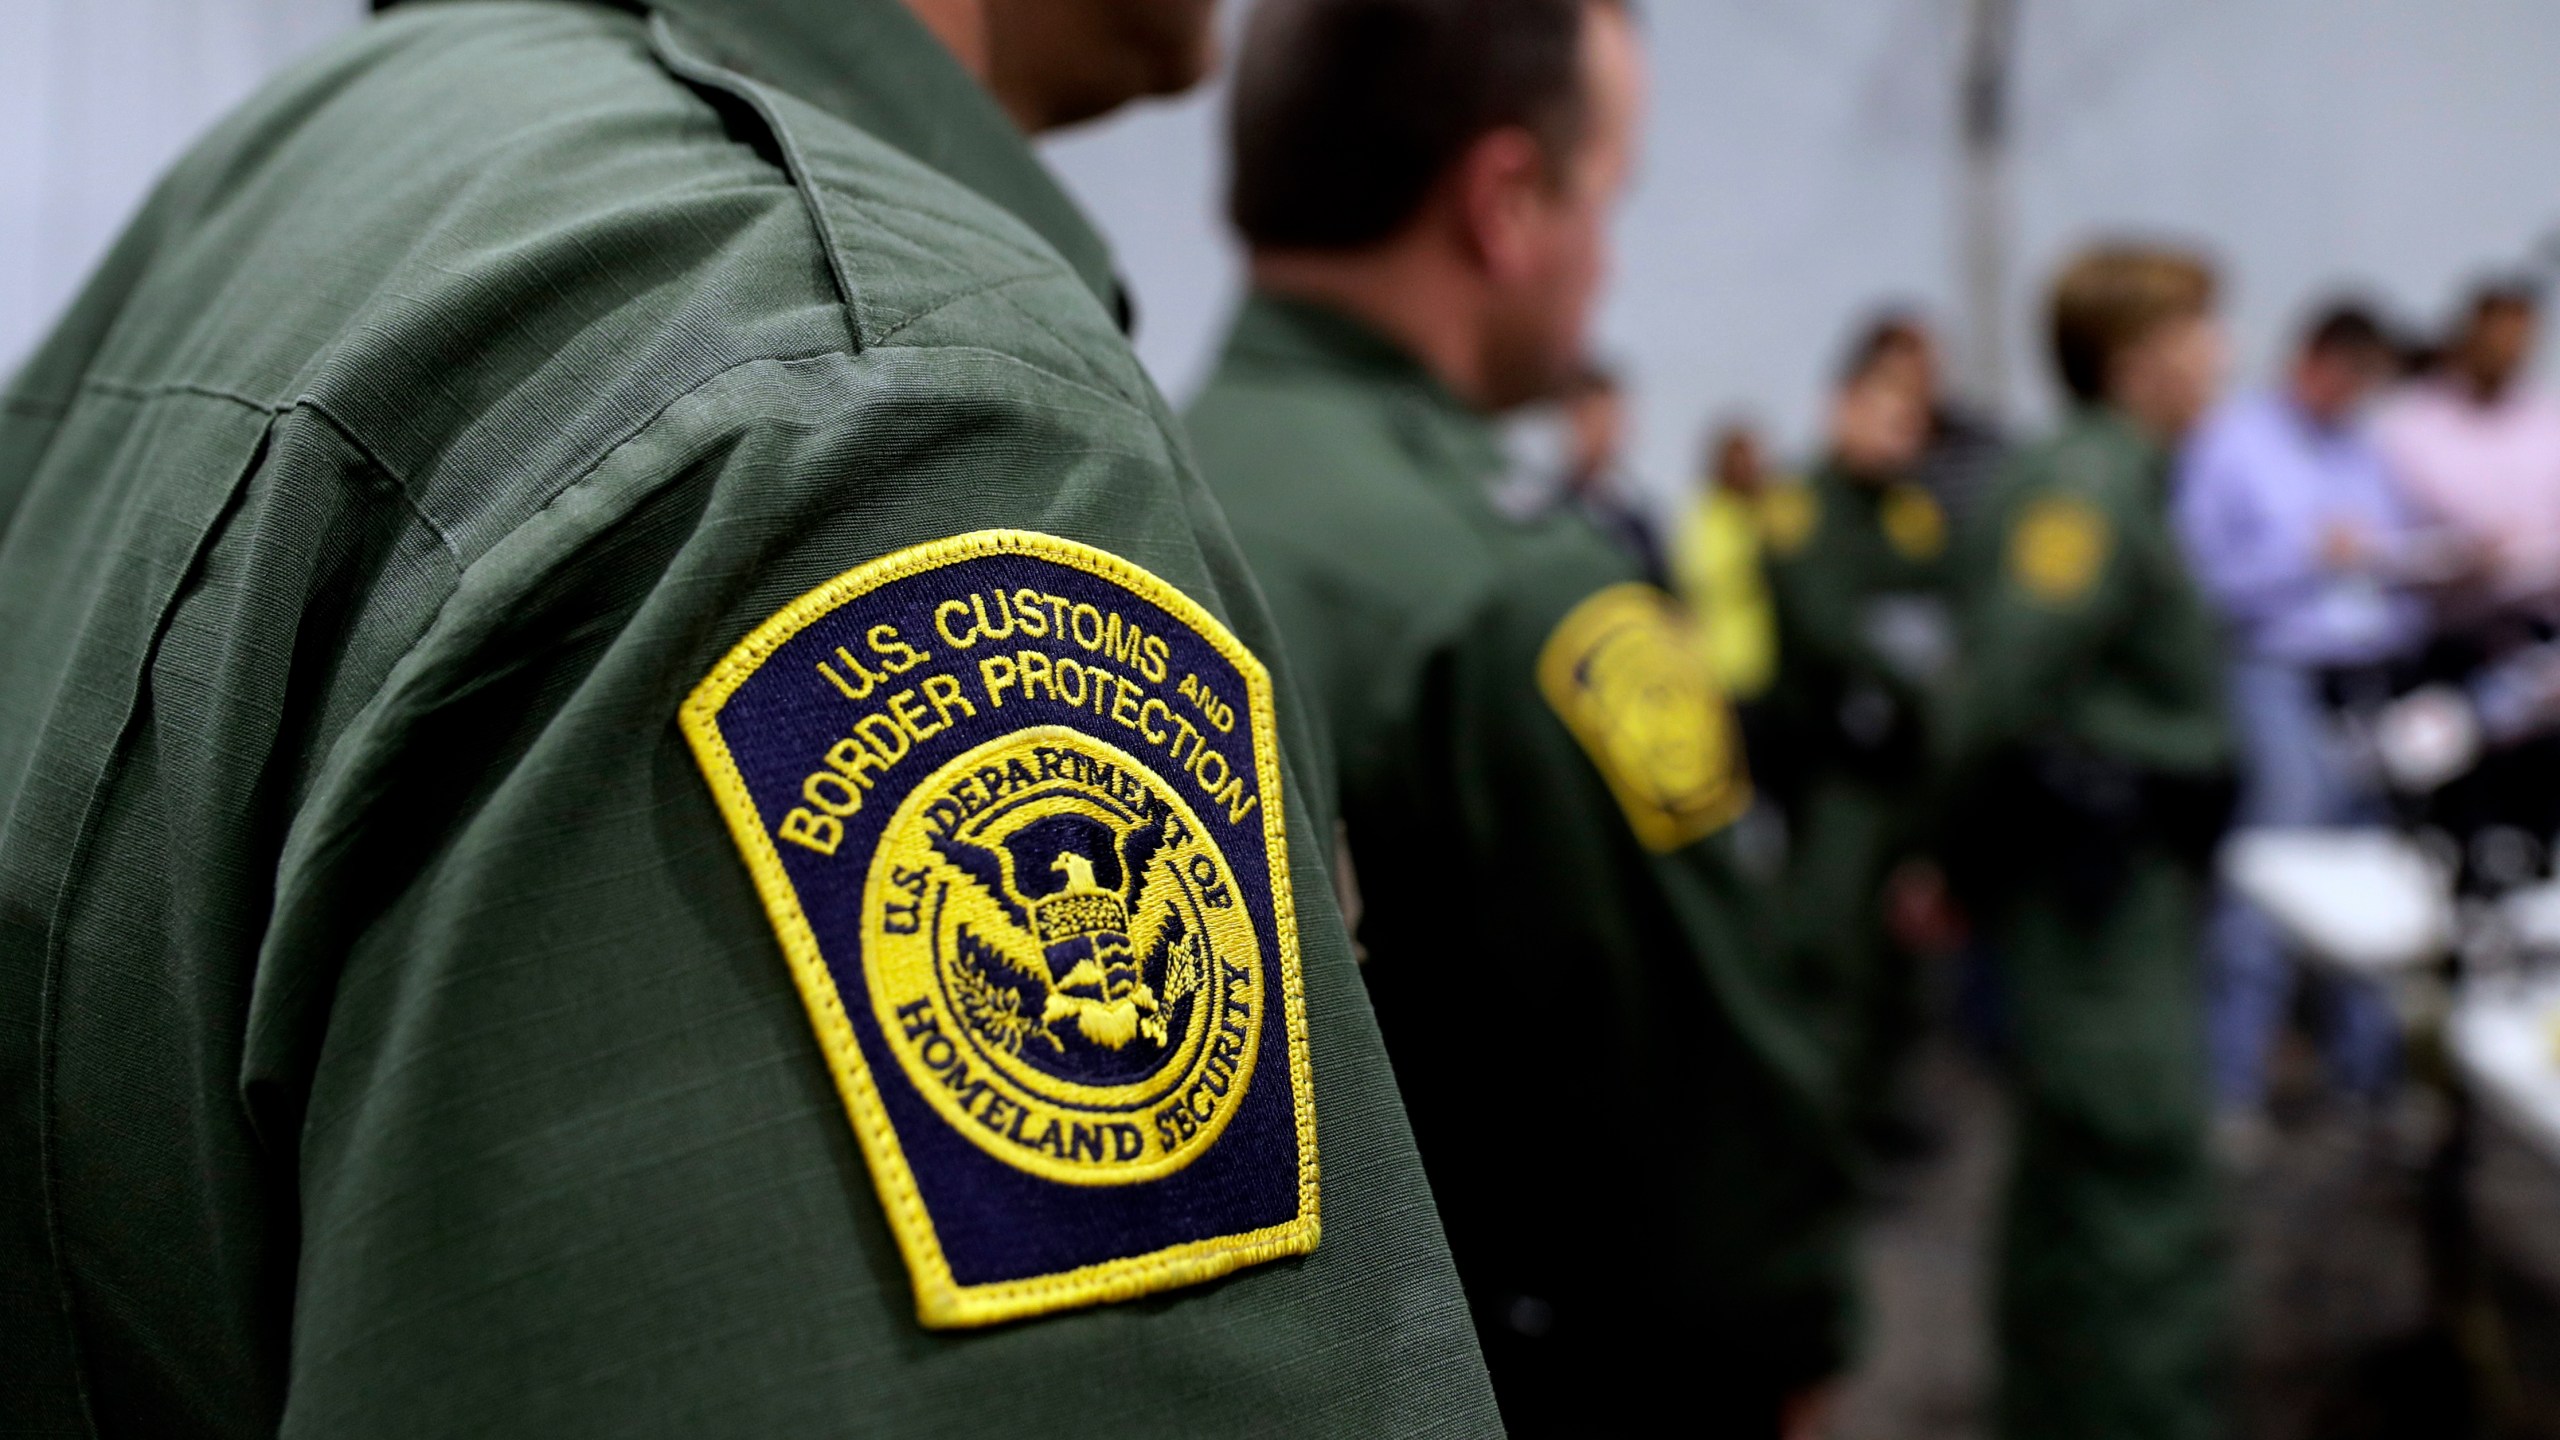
point(1858, 573)
point(2080, 622)
point(2088, 730)
point(1865, 632)
point(394, 1036)
point(1613, 1114)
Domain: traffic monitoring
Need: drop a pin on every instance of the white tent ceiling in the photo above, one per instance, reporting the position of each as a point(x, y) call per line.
point(1798, 169)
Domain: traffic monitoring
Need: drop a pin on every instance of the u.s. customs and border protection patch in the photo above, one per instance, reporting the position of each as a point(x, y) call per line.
point(1013, 805)
point(1790, 512)
point(1629, 676)
point(1913, 522)
point(2058, 547)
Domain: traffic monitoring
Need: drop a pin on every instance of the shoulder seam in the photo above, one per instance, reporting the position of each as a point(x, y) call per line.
point(399, 482)
point(1125, 402)
point(819, 195)
point(696, 70)
point(138, 390)
point(134, 390)
point(816, 195)
point(606, 452)
point(912, 321)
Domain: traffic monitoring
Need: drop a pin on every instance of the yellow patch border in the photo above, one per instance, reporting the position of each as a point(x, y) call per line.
point(941, 1301)
point(2058, 549)
point(1659, 830)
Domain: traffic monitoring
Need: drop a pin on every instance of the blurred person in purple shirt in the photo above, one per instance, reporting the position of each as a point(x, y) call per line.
point(2480, 451)
point(2294, 528)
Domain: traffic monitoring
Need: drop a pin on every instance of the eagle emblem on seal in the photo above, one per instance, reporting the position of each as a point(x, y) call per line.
point(1088, 961)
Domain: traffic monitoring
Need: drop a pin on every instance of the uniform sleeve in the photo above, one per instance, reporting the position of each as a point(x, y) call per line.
point(2048, 578)
point(1818, 613)
point(572, 1159)
point(1826, 592)
point(1584, 794)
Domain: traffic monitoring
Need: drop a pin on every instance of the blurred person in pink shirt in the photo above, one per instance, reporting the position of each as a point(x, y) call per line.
point(2479, 451)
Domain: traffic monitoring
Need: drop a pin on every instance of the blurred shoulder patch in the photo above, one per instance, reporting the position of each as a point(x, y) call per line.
point(1629, 675)
point(2058, 546)
point(1913, 523)
point(1789, 514)
point(1013, 807)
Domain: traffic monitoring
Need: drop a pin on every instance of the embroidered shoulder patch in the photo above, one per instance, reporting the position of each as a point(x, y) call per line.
point(1789, 514)
point(1013, 805)
point(1913, 523)
point(2058, 547)
point(1630, 677)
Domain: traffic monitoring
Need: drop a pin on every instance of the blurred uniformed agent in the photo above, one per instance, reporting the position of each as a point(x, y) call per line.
point(1856, 558)
point(2089, 730)
point(1961, 454)
point(1535, 767)
point(635, 796)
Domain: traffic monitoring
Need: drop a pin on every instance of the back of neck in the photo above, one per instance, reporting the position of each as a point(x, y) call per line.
point(1427, 308)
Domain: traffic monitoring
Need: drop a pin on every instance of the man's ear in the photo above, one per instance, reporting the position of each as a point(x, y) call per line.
point(1500, 185)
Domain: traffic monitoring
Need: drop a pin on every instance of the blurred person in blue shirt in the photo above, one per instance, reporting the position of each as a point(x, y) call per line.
point(2294, 527)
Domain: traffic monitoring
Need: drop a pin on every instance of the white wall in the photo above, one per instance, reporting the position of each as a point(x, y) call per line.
point(96, 98)
point(1798, 170)
point(1797, 167)
point(2404, 145)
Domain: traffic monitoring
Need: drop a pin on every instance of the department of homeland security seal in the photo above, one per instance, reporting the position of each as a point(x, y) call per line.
point(1626, 672)
point(1013, 806)
point(1057, 939)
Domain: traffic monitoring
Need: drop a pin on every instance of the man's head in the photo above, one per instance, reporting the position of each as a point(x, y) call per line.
point(1878, 427)
point(2133, 328)
point(1443, 167)
point(2496, 338)
point(1595, 415)
point(1736, 463)
point(1052, 63)
point(2344, 357)
point(1896, 346)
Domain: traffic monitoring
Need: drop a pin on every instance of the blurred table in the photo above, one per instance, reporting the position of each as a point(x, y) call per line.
point(2505, 1037)
point(2483, 1030)
point(2364, 900)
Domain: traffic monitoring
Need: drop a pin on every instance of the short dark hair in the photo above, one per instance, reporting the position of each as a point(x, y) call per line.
point(2111, 297)
point(1724, 435)
point(1345, 112)
point(2502, 292)
point(2347, 325)
point(1882, 334)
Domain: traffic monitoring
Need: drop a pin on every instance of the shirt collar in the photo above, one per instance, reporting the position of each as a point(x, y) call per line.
point(1281, 332)
point(1278, 331)
point(1834, 477)
point(872, 64)
point(2104, 424)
